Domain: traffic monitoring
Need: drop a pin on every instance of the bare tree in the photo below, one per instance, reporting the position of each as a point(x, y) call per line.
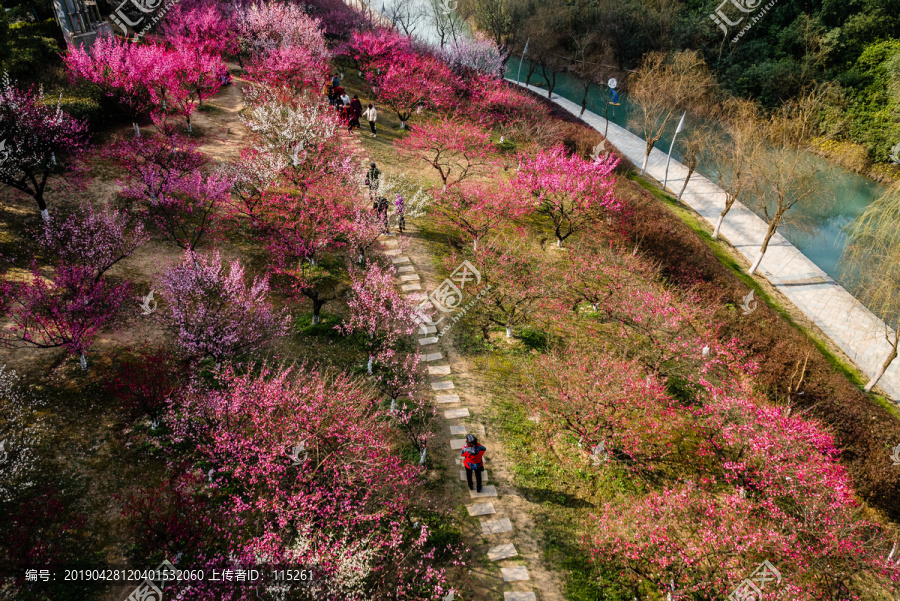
point(447, 23)
point(785, 176)
point(591, 63)
point(665, 86)
point(406, 15)
point(696, 143)
point(872, 266)
point(733, 152)
point(545, 49)
point(500, 19)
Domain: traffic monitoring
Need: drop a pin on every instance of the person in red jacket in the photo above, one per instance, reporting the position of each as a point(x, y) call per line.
point(473, 460)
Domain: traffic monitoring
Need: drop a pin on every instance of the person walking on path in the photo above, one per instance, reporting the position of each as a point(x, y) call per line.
point(473, 460)
point(383, 213)
point(372, 176)
point(335, 80)
point(345, 98)
point(372, 116)
point(356, 109)
point(400, 207)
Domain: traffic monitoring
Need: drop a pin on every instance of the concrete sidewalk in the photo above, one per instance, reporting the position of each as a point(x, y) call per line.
point(855, 329)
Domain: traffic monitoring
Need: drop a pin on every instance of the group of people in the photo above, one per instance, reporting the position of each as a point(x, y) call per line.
point(380, 203)
point(350, 109)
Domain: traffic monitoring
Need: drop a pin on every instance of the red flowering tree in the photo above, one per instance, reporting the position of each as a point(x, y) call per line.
point(571, 192)
point(307, 459)
point(476, 209)
point(414, 83)
point(36, 140)
point(65, 311)
point(455, 150)
point(216, 314)
point(134, 74)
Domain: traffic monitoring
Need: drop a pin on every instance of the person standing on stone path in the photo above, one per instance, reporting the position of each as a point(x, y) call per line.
point(400, 207)
point(473, 461)
point(335, 80)
point(372, 116)
point(372, 176)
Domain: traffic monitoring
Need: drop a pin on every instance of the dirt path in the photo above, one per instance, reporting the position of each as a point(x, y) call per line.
point(500, 530)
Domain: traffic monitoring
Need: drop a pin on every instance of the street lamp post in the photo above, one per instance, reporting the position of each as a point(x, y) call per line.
point(678, 130)
point(524, 50)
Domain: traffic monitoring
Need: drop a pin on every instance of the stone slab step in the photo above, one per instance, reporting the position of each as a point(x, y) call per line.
point(519, 596)
point(447, 398)
point(442, 386)
point(410, 287)
point(481, 509)
point(432, 357)
point(410, 277)
point(457, 443)
point(456, 413)
point(406, 269)
point(496, 526)
point(504, 551)
point(400, 260)
point(439, 370)
point(515, 574)
point(429, 340)
point(458, 430)
point(486, 491)
point(423, 329)
point(392, 252)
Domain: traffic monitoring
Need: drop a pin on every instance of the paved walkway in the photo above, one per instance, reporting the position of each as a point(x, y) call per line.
point(855, 329)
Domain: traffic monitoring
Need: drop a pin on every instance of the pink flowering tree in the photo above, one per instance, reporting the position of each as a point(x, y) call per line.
point(189, 212)
point(36, 140)
point(414, 83)
point(379, 316)
point(66, 310)
point(200, 26)
point(515, 272)
point(155, 164)
point(268, 26)
point(571, 192)
point(134, 74)
point(500, 106)
point(477, 209)
point(192, 76)
point(377, 48)
point(294, 67)
point(93, 241)
point(216, 314)
point(306, 465)
point(455, 150)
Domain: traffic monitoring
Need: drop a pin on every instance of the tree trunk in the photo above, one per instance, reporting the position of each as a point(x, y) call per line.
point(83, 361)
point(369, 365)
point(559, 242)
point(686, 180)
point(475, 244)
point(137, 129)
point(719, 225)
point(317, 309)
point(45, 215)
point(765, 245)
point(644, 164)
point(422, 458)
point(508, 332)
point(189, 124)
point(887, 363)
point(393, 405)
point(402, 124)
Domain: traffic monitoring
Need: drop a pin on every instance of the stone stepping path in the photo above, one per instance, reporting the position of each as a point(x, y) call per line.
point(410, 282)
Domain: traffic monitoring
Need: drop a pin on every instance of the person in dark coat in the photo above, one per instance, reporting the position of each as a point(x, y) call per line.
point(473, 460)
point(356, 110)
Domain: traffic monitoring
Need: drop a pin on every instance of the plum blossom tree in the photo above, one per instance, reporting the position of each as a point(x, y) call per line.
point(267, 26)
point(191, 76)
point(134, 74)
point(65, 311)
point(413, 83)
point(216, 314)
point(477, 53)
point(477, 209)
point(307, 459)
point(36, 138)
point(378, 314)
point(455, 150)
point(188, 213)
point(514, 270)
point(292, 130)
point(201, 27)
point(571, 192)
point(91, 240)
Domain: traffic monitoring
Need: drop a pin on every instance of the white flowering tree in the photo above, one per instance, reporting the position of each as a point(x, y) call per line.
point(292, 130)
